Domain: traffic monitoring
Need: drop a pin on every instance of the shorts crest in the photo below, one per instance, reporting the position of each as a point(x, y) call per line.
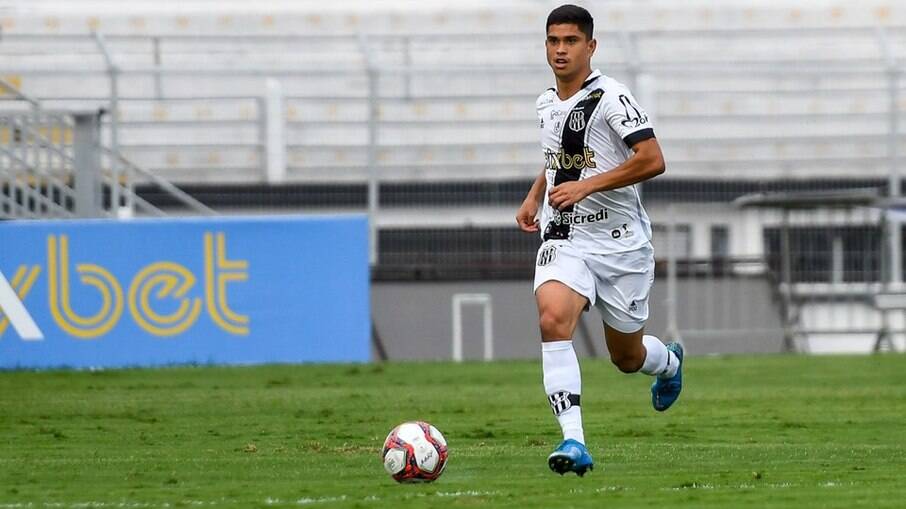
point(547, 255)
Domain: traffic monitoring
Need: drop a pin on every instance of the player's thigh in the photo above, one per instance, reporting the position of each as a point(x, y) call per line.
point(564, 287)
point(559, 309)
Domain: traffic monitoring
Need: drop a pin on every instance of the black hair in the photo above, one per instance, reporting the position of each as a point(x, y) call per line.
point(574, 15)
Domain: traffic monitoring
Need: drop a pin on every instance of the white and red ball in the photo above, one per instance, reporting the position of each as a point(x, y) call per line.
point(415, 452)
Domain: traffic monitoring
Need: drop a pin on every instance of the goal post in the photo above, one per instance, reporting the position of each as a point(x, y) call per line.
point(487, 309)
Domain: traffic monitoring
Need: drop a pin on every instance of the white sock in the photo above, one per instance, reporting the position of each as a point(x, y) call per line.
point(658, 360)
point(563, 384)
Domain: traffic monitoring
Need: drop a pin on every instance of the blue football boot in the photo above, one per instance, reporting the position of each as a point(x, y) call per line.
point(665, 391)
point(570, 456)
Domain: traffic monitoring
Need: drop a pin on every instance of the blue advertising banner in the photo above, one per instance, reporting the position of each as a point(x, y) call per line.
point(146, 292)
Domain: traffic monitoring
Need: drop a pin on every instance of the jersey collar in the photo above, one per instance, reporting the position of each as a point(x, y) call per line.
point(592, 78)
point(595, 74)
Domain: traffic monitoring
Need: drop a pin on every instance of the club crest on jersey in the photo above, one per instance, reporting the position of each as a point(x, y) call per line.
point(560, 160)
point(577, 120)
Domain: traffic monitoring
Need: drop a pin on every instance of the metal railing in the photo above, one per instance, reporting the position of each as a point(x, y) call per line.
point(52, 165)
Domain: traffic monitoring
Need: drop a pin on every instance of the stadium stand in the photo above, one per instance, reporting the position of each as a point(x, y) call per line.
point(782, 96)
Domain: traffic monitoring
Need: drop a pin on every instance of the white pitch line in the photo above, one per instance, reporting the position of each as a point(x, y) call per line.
point(470, 493)
point(123, 504)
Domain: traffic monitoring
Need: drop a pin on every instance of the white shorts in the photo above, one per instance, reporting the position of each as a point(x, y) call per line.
point(617, 284)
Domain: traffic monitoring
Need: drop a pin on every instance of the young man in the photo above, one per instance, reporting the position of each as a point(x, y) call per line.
point(598, 143)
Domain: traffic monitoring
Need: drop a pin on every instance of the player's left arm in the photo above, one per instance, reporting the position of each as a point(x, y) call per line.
point(646, 162)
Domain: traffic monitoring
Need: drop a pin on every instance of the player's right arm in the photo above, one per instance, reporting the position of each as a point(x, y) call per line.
point(527, 215)
point(528, 211)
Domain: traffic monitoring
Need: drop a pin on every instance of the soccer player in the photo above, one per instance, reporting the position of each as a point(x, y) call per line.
point(598, 144)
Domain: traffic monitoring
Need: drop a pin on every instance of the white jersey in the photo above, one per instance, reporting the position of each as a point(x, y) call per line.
point(588, 134)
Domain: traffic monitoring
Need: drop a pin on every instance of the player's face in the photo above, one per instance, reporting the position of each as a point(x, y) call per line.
point(569, 50)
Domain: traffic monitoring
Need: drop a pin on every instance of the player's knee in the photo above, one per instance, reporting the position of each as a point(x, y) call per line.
point(554, 325)
point(628, 362)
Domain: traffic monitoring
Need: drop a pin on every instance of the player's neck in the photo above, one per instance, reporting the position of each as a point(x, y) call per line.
point(568, 87)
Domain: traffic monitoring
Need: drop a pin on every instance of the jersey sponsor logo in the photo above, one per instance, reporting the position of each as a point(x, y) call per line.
point(634, 118)
point(560, 160)
point(624, 231)
point(157, 297)
point(12, 310)
point(571, 218)
point(577, 120)
point(547, 255)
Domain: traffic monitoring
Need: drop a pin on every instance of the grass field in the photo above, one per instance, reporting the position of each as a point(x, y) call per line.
point(769, 431)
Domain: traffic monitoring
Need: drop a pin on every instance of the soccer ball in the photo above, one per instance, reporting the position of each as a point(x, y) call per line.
point(415, 452)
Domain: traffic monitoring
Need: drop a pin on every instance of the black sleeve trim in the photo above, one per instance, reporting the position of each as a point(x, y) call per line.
point(638, 136)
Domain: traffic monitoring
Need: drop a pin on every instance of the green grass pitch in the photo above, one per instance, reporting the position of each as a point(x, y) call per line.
point(748, 431)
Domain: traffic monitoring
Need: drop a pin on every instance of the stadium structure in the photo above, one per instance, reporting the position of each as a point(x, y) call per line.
point(776, 223)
